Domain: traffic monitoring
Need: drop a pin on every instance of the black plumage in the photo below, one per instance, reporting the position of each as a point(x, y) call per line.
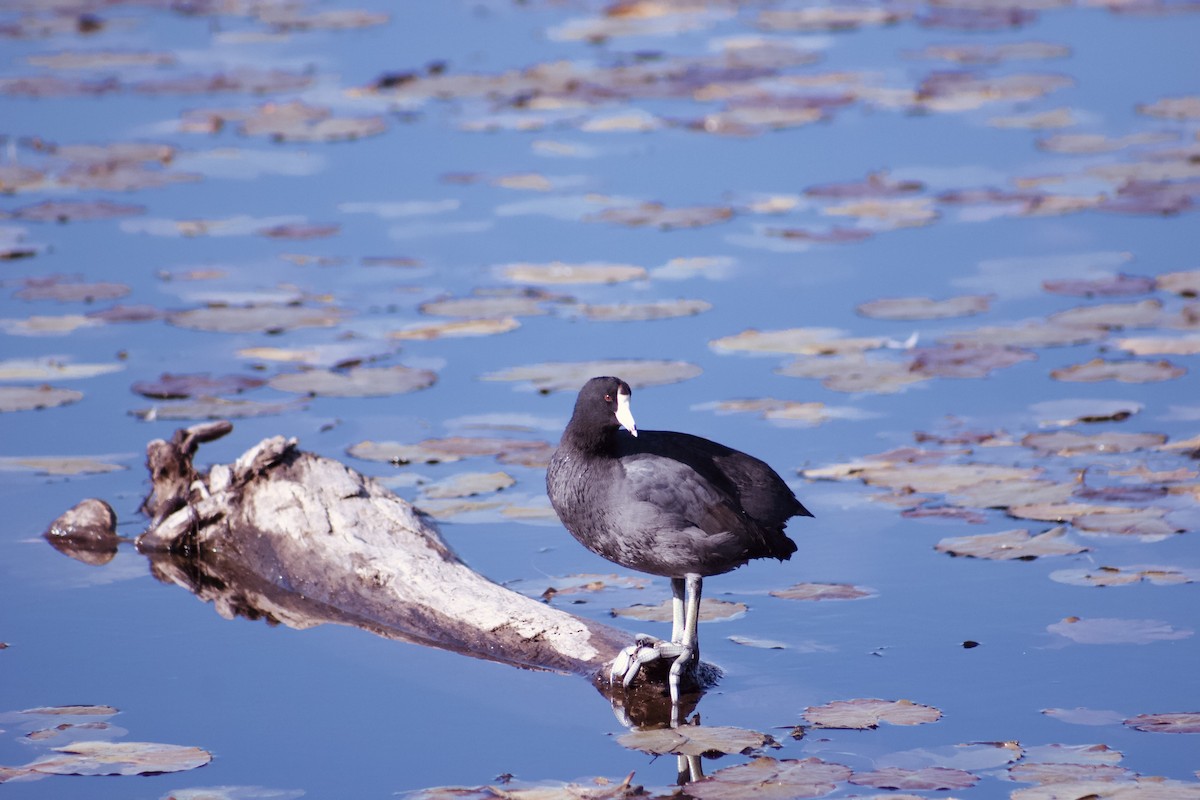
point(666, 503)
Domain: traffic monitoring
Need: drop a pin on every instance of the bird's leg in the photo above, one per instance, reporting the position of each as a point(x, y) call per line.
point(678, 619)
point(690, 646)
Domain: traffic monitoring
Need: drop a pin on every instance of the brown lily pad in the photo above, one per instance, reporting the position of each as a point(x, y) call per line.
point(525, 452)
point(30, 398)
point(711, 610)
point(824, 591)
point(918, 308)
point(569, 376)
point(1071, 443)
point(869, 713)
point(926, 779)
point(1185, 283)
point(76, 211)
point(1116, 285)
point(1011, 545)
point(255, 318)
point(640, 312)
point(1185, 722)
point(468, 484)
point(770, 779)
point(64, 291)
point(695, 740)
point(181, 387)
point(1099, 369)
point(560, 273)
point(119, 758)
point(1067, 773)
point(453, 329)
point(1107, 630)
point(355, 382)
point(1126, 576)
point(855, 372)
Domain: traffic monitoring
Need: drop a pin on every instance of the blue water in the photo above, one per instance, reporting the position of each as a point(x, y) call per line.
point(336, 712)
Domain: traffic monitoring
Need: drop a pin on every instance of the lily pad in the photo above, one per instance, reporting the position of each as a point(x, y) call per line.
point(51, 368)
point(783, 411)
point(1070, 443)
point(1146, 523)
point(1099, 369)
point(29, 398)
point(711, 610)
point(695, 740)
point(454, 329)
point(1083, 716)
point(919, 308)
point(1185, 283)
point(255, 318)
point(966, 360)
point(1161, 345)
point(1028, 333)
point(213, 408)
point(855, 373)
point(658, 215)
point(1153, 788)
point(468, 484)
point(356, 381)
point(1141, 314)
point(525, 452)
point(58, 465)
point(931, 478)
point(560, 273)
point(868, 713)
point(926, 779)
point(1084, 410)
point(1107, 630)
point(796, 341)
point(824, 591)
point(73, 711)
point(64, 291)
point(638, 312)
point(489, 306)
point(120, 758)
point(180, 387)
point(1065, 512)
point(1126, 576)
point(1007, 493)
point(569, 376)
point(1116, 285)
point(1067, 773)
point(1011, 545)
point(1185, 722)
point(770, 779)
point(76, 211)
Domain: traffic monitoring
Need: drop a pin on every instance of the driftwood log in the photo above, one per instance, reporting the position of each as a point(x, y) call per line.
point(300, 540)
point(310, 540)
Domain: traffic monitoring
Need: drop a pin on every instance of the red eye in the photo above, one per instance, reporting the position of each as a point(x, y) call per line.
point(608, 398)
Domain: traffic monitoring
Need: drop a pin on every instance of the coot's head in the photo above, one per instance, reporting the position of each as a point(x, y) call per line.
point(602, 405)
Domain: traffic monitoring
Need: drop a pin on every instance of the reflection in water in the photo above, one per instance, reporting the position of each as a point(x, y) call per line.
point(294, 539)
point(86, 532)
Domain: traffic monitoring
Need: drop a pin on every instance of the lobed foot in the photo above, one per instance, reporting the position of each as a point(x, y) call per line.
point(647, 649)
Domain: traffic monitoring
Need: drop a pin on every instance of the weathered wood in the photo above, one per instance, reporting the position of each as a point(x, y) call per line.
point(301, 539)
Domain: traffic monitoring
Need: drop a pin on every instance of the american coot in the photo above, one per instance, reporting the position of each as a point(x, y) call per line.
point(669, 504)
